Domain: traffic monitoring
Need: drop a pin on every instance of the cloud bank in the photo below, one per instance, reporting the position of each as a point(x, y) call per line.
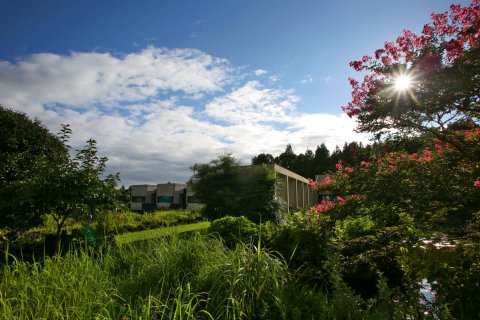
point(158, 111)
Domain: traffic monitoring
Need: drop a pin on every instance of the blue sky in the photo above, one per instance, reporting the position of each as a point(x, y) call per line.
point(164, 84)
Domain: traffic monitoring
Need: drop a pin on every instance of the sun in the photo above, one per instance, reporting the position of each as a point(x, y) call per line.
point(402, 82)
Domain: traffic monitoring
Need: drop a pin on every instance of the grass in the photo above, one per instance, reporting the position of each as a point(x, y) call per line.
point(171, 277)
point(166, 278)
point(165, 217)
point(160, 232)
point(114, 222)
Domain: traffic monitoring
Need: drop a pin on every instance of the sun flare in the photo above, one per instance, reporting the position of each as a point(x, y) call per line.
point(403, 82)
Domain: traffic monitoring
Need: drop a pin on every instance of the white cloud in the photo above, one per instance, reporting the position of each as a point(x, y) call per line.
point(313, 129)
point(260, 72)
point(84, 79)
point(252, 103)
point(307, 79)
point(274, 78)
point(328, 79)
point(157, 112)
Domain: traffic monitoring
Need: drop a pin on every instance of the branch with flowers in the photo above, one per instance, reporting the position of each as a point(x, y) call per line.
point(422, 83)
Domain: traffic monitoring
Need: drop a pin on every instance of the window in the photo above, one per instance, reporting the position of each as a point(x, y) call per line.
point(192, 199)
point(138, 199)
point(165, 199)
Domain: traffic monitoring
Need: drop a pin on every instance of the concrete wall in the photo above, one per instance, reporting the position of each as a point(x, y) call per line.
point(294, 189)
point(169, 190)
point(147, 191)
point(192, 205)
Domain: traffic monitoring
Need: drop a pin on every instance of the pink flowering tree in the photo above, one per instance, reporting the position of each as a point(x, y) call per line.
point(426, 82)
point(381, 207)
point(429, 184)
point(426, 86)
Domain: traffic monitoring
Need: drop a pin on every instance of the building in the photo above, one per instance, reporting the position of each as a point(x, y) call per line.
point(293, 189)
point(151, 197)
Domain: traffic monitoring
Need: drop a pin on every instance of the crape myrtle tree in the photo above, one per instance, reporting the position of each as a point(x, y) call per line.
point(427, 84)
point(427, 87)
point(423, 83)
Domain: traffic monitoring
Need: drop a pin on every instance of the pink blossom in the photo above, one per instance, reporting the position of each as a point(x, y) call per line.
point(324, 206)
point(339, 165)
point(427, 156)
point(365, 164)
point(444, 40)
point(328, 180)
point(476, 183)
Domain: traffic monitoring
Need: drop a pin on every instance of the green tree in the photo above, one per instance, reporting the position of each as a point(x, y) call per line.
point(323, 163)
point(75, 188)
point(23, 144)
point(287, 158)
point(226, 188)
point(263, 158)
point(51, 181)
point(213, 183)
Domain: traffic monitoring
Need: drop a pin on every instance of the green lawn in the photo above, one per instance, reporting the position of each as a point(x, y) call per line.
point(160, 232)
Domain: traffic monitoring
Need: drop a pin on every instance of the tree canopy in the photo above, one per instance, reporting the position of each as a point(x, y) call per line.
point(39, 176)
point(226, 188)
point(320, 161)
point(22, 142)
point(422, 83)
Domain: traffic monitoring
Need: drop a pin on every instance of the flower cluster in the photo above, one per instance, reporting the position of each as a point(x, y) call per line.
point(444, 40)
point(319, 185)
point(325, 206)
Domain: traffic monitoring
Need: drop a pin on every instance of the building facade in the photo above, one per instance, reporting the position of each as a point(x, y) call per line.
point(293, 189)
point(151, 197)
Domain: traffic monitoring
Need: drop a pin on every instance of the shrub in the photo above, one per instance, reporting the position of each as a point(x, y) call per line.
point(234, 229)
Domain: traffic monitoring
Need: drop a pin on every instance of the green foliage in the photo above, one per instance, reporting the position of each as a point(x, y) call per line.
point(23, 144)
point(355, 227)
point(213, 184)
point(224, 187)
point(234, 230)
point(39, 176)
point(174, 278)
point(74, 187)
point(305, 249)
point(160, 232)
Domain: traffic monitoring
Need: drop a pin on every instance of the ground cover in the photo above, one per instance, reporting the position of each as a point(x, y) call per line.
point(173, 278)
point(40, 240)
point(159, 232)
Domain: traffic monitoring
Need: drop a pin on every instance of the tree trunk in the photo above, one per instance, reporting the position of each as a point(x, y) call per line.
point(58, 235)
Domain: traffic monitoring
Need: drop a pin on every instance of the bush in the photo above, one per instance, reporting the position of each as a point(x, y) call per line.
point(224, 186)
point(234, 230)
point(305, 249)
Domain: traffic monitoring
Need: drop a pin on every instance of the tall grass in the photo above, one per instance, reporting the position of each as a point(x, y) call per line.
point(165, 278)
point(72, 287)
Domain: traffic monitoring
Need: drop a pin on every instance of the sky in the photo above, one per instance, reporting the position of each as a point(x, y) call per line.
point(162, 85)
